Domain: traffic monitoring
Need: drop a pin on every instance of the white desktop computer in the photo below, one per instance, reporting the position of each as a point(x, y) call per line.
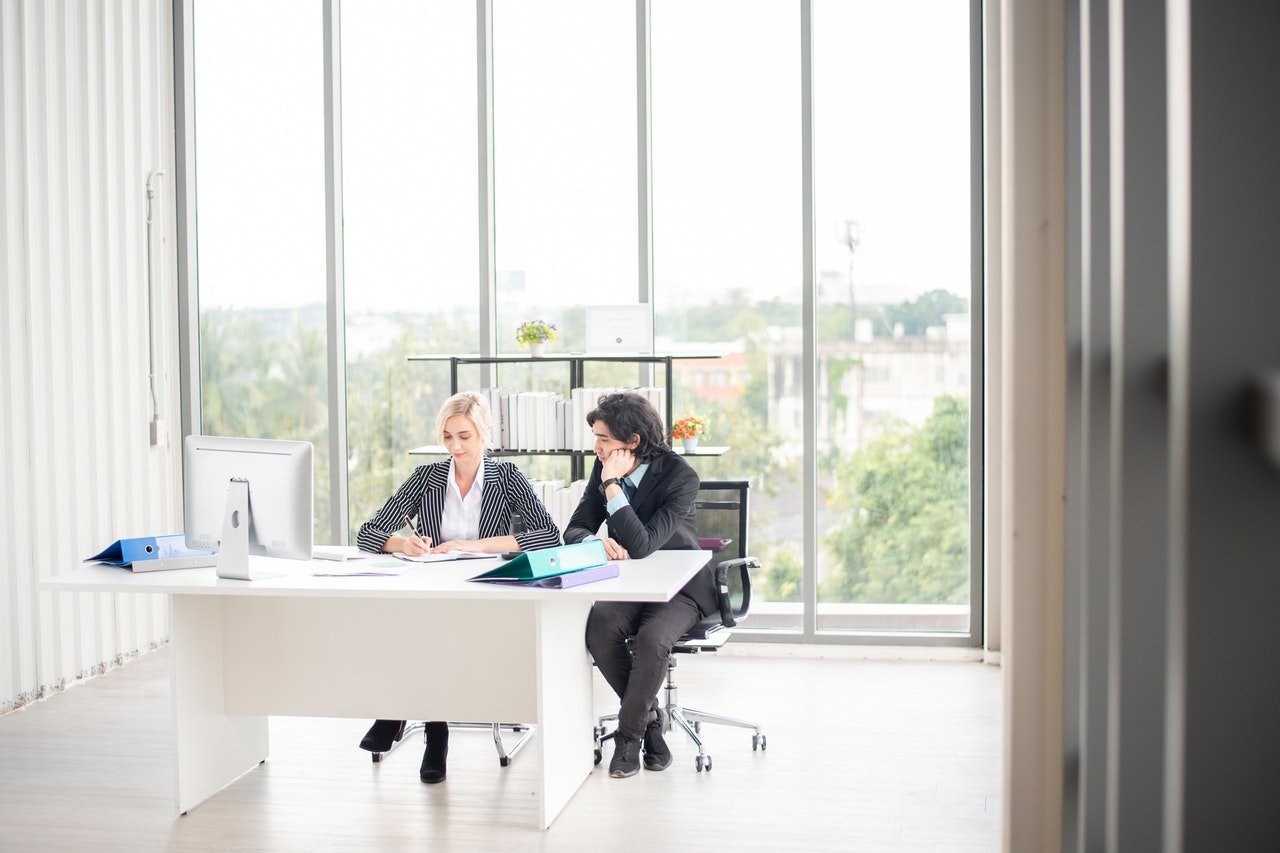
point(244, 496)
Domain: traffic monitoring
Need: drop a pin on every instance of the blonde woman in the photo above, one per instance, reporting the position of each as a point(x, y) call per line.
point(465, 503)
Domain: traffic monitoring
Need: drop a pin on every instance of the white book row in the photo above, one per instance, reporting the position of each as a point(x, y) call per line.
point(559, 499)
point(545, 420)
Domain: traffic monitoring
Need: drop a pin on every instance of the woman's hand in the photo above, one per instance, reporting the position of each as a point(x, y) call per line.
point(614, 551)
point(410, 546)
point(458, 545)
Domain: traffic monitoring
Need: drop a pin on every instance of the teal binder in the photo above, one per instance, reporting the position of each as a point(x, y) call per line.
point(548, 562)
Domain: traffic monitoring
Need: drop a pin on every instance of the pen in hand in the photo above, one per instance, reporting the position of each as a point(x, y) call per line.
point(416, 537)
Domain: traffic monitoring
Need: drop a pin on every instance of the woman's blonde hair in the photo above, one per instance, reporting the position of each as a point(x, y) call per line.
point(472, 406)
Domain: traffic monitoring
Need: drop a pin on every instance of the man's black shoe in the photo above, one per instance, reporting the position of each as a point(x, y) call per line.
point(382, 735)
point(657, 756)
point(626, 756)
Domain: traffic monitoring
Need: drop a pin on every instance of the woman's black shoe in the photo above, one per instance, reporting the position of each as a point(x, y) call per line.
point(382, 734)
point(433, 760)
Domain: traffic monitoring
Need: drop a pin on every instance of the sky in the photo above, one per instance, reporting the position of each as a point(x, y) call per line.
point(891, 115)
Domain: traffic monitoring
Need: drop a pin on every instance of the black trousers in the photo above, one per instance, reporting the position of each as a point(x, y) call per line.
point(636, 675)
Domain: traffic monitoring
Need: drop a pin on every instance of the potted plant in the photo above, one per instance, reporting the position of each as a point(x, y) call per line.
point(534, 334)
point(687, 429)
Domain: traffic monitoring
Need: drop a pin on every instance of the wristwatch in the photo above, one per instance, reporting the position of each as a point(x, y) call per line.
point(612, 481)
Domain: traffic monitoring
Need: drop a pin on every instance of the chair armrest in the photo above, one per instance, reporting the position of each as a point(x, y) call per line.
point(723, 579)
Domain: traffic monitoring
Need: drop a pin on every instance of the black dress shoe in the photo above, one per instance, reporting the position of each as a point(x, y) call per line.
point(382, 734)
point(433, 759)
point(657, 755)
point(626, 756)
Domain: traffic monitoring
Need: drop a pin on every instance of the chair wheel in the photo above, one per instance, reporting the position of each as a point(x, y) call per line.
point(697, 726)
point(702, 762)
point(504, 760)
point(758, 742)
point(599, 756)
point(377, 756)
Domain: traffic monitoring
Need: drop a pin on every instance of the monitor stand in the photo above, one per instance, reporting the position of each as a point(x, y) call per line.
point(233, 551)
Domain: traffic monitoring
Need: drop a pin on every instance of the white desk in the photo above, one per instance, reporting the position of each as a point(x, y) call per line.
point(427, 644)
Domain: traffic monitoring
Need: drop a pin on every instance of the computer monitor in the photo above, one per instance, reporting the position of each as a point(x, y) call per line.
point(245, 496)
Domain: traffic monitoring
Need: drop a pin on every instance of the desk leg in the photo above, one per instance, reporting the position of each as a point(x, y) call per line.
point(210, 747)
point(565, 720)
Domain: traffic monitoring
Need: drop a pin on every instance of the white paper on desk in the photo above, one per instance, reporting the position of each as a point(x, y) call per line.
point(362, 568)
point(444, 557)
point(339, 553)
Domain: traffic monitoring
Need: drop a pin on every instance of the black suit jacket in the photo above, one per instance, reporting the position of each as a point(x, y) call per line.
point(661, 516)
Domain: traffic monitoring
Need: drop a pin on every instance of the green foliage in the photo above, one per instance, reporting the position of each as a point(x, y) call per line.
point(733, 318)
point(391, 406)
point(836, 321)
point(743, 425)
point(837, 367)
point(751, 456)
point(262, 375)
point(925, 310)
point(901, 505)
point(781, 577)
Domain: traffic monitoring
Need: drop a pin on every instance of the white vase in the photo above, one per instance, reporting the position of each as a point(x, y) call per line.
point(690, 444)
point(536, 349)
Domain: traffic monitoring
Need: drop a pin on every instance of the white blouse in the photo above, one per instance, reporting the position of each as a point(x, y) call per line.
point(461, 516)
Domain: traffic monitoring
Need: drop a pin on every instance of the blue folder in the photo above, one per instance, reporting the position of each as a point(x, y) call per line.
point(151, 553)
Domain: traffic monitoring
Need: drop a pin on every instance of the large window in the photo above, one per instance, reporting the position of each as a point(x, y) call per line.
point(716, 240)
point(564, 162)
point(727, 255)
point(564, 142)
point(892, 194)
point(411, 241)
point(261, 226)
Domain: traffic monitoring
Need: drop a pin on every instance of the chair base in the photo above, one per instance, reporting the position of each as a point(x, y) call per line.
point(505, 757)
point(689, 720)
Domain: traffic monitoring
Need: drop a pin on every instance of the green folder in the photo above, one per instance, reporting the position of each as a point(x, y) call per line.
point(548, 562)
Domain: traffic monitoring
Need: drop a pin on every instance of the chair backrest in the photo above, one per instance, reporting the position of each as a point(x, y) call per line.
point(723, 510)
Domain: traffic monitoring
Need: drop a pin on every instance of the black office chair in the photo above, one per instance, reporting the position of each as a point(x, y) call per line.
point(733, 586)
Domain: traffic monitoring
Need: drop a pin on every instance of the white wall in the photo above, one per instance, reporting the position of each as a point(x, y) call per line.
point(87, 104)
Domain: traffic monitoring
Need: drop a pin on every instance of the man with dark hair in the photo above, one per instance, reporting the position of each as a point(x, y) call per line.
point(645, 493)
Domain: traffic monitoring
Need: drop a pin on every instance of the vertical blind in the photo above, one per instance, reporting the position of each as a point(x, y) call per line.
point(87, 106)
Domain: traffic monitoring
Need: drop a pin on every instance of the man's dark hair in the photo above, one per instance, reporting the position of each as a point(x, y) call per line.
point(628, 414)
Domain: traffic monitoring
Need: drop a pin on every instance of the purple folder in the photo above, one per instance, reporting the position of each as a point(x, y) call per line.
point(578, 578)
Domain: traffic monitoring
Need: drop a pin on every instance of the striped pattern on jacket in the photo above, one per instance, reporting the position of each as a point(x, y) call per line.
point(421, 497)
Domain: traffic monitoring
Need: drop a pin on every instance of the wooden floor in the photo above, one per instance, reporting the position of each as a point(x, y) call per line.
point(862, 756)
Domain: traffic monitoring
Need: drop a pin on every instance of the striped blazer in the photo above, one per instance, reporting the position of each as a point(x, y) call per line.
point(421, 497)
